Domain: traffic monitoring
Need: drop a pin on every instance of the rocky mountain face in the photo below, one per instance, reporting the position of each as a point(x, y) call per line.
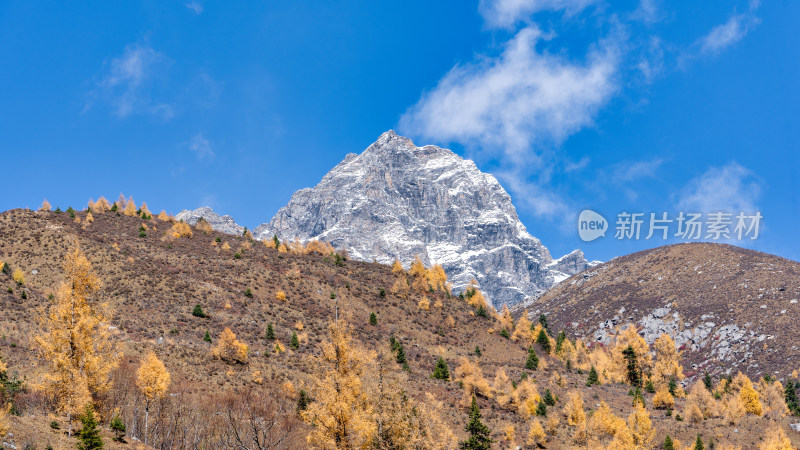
point(223, 224)
point(396, 200)
point(726, 307)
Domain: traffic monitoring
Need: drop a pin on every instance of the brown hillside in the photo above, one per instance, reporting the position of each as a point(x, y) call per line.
point(152, 284)
point(728, 308)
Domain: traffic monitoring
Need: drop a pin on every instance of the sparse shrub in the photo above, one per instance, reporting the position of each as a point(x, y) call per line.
point(198, 311)
point(481, 312)
point(142, 231)
point(118, 427)
point(504, 333)
point(477, 350)
point(270, 333)
point(6, 268)
point(373, 319)
point(541, 409)
point(218, 239)
point(698, 443)
point(19, 276)
point(302, 400)
point(248, 293)
point(382, 292)
point(424, 304)
point(294, 342)
point(55, 425)
point(237, 255)
point(23, 295)
point(180, 230)
point(333, 295)
point(207, 337)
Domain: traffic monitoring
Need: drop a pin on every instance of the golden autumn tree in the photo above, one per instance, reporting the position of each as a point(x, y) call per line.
point(749, 397)
point(474, 296)
point(641, 426)
point(76, 342)
point(230, 349)
point(505, 320)
point(667, 365)
point(397, 268)
point(522, 333)
point(341, 413)
point(130, 208)
point(437, 279)
point(419, 275)
point(399, 421)
point(153, 380)
point(181, 229)
point(45, 206)
point(576, 416)
point(629, 337)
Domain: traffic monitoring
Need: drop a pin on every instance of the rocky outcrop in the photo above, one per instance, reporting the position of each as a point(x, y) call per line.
point(396, 200)
point(223, 224)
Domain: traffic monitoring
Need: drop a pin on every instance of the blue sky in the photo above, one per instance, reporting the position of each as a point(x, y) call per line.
point(638, 106)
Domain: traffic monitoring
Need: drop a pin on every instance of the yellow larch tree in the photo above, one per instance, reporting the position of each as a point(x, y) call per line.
point(625, 338)
point(76, 341)
point(667, 365)
point(474, 296)
point(705, 401)
point(341, 413)
point(641, 426)
point(4, 425)
point(153, 380)
point(772, 398)
point(576, 416)
point(603, 423)
point(145, 212)
point(203, 225)
point(472, 381)
point(100, 206)
point(749, 397)
point(522, 332)
point(776, 440)
point(419, 275)
point(280, 296)
point(397, 268)
point(536, 435)
point(130, 208)
point(163, 216)
point(526, 398)
point(45, 206)
point(181, 229)
point(505, 320)
point(501, 388)
point(437, 278)
point(230, 349)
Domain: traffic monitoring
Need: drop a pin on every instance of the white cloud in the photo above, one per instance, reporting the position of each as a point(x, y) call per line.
point(123, 84)
point(196, 7)
point(201, 147)
point(511, 102)
point(730, 188)
point(631, 171)
point(728, 33)
point(506, 13)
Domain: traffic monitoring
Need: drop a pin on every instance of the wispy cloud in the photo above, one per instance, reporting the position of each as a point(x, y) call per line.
point(729, 188)
point(516, 104)
point(124, 83)
point(201, 147)
point(724, 35)
point(519, 98)
point(506, 13)
point(196, 7)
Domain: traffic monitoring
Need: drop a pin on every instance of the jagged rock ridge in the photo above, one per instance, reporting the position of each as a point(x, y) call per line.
point(223, 224)
point(397, 200)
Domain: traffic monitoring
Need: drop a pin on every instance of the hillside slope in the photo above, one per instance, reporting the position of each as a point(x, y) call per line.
point(728, 308)
point(152, 282)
